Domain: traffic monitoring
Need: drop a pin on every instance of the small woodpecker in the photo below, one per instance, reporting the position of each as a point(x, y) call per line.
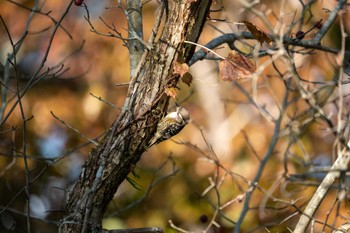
point(170, 125)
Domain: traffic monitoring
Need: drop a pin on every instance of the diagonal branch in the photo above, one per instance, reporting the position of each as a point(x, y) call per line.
point(121, 148)
point(269, 153)
point(339, 166)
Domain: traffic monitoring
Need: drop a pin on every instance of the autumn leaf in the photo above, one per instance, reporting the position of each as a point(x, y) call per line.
point(180, 68)
point(236, 66)
point(187, 78)
point(171, 92)
point(257, 33)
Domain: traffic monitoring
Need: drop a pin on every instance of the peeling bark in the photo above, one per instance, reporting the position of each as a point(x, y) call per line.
point(116, 154)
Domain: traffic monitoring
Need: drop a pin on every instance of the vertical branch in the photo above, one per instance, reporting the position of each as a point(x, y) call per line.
point(26, 166)
point(135, 32)
point(274, 140)
point(12, 58)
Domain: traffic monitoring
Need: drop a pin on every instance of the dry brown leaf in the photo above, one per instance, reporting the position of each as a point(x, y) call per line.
point(257, 33)
point(180, 69)
point(236, 66)
point(187, 78)
point(171, 92)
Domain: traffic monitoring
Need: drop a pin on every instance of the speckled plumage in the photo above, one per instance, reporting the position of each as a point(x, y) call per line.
point(170, 125)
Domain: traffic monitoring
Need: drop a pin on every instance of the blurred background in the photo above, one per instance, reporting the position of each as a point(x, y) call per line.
point(180, 179)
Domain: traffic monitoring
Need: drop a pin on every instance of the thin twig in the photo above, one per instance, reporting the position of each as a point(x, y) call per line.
point(47, 14)
point(105, 101)
point(74, 129)
point(42, 64)
point(262, 165)
point(340, 164)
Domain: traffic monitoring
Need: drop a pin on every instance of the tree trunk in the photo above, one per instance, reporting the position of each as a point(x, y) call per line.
point(116, 154)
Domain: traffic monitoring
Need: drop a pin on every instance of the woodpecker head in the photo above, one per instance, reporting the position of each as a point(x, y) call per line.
point(182, 115)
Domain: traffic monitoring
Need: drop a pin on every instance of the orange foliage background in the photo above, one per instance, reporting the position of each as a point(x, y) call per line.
point(231, 125)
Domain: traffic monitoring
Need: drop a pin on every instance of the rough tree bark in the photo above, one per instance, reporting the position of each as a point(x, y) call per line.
point(120, 149)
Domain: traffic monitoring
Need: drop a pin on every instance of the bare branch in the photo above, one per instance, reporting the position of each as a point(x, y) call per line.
point(341, 163)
